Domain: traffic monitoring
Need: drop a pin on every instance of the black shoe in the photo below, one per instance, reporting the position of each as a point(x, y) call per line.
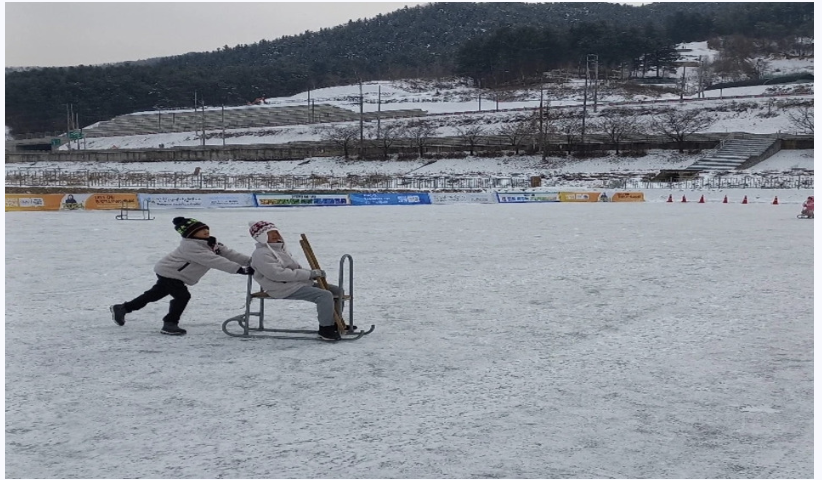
point(329, 333)
point(118, 314)
point(172, 329)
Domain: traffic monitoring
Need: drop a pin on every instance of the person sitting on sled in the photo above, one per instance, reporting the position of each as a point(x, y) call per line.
point(280, 276)
point(807, 207)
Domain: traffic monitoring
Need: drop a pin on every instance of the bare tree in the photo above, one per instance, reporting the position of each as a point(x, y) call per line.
point(342, 136)
point(570, 126)
point(516, 132)
point(802, 119)
point(681, 124)
point(616, 124)
point(386, 137)
point(471, 135)
point(421, 133)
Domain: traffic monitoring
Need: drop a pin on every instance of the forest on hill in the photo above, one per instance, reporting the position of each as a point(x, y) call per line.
point(494, 44)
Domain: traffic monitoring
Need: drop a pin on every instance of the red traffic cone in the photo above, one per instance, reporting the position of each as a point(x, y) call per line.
point(745, 200)
point(702, 199)
point(671, 198)
point(725, 200)
point(684, 200)
point(775, 201)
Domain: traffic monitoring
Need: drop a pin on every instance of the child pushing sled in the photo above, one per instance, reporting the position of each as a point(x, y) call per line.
point(197, 253)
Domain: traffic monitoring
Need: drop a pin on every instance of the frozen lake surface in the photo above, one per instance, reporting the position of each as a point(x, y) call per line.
point(557, 340)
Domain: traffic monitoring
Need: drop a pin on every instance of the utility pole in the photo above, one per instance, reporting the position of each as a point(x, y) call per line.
point(362, 133)
point(541, 125)
point(202, 117)
point(596, 78)
point(584, 103)
point(682, 86)
point(68, 126)
point(479, 98)
point(379, 108)
point(222, 122)
point(309, 106)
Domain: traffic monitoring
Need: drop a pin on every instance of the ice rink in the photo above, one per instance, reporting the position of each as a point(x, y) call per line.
point(543, 341)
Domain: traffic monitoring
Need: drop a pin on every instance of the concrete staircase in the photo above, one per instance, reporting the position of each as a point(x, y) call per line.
point(737, 152)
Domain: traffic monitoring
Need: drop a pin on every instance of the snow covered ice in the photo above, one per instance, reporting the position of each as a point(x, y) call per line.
point(646, 340)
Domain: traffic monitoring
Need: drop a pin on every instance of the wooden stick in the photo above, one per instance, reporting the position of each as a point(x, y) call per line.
point(315, 265)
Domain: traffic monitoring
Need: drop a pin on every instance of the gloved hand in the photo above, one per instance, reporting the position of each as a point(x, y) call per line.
point(211, 241)
point(246, 271)
point(317, 273)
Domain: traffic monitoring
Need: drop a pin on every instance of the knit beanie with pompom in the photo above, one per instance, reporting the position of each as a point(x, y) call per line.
point(187, 227)
point(259, 230)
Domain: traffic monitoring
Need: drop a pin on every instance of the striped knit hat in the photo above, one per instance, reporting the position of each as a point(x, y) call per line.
point(187, 227)
point(259, 230)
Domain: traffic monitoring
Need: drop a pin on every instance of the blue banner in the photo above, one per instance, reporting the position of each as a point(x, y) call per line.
point(420, 198)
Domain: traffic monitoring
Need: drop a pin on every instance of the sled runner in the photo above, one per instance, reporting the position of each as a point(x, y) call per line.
point(144, 210)
point(346, 331)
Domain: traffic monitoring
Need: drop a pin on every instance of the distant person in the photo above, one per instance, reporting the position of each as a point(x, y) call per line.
point(197, 254)
point(807, 207)
point(280, 276)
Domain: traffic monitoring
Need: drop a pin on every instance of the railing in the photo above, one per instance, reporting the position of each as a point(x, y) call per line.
point(775, 181)
point(262, 182)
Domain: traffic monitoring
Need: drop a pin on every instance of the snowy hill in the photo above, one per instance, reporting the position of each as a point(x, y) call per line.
point(451, 102)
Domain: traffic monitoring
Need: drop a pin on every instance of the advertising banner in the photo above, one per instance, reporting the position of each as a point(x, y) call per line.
point(103, 201)
point(70, 201)
point(527, 197)
point(420, 198)
point(449, 198)
point(628, 197)
point(301, 200)
point(583, 197)
point(33, 202)
point(196, 200)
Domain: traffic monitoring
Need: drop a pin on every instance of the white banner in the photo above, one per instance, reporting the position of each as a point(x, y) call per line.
point(448, 198)
point(301, 200)
point(527, 197)
point(197, 200)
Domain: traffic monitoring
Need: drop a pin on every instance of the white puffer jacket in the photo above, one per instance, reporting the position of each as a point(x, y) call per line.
point(194, 258)
point(277, 272)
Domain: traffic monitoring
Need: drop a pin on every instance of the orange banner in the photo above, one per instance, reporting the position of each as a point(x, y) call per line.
point(110, 201)
point(628, 197)
point(69, 201)
point(582, 197)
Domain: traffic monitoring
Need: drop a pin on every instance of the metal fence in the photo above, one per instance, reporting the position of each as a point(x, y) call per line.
point(260, 182)
point(742, 181)
point(254, 182)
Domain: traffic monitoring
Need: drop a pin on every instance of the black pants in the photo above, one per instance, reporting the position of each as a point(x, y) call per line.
point(164, 286)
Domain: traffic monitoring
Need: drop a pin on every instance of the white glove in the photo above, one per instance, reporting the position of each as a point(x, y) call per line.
point(317, 273)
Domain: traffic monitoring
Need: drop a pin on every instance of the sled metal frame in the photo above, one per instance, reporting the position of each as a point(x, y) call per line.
point(143, 209)
point(248, 330)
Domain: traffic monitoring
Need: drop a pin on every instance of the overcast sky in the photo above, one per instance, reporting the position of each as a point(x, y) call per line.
point(65, 34)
